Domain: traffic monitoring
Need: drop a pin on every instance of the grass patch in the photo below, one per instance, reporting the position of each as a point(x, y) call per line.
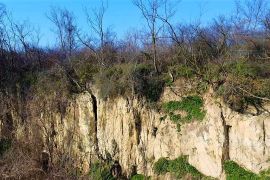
point(234, 172)
point(192, 105)
point(139, 177)
point(178, 167)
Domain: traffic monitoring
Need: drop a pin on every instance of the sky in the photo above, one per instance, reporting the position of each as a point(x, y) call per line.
point(121, 15)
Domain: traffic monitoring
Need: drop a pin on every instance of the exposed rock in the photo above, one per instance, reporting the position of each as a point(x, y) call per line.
point(126, 130)
point(249, 141)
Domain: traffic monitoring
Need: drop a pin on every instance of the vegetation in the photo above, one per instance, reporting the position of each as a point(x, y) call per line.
point(190, 106)
point(139, 177)
point(178, 167)
point(130, 78)
point(100, 171)
point(230, 55)
point(234, 171)
point(5, 144)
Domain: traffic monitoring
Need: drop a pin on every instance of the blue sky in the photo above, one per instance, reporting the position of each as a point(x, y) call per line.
point(121, 14)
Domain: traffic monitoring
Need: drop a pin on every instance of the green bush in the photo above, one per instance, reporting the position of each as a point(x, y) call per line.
point(5, 144)
point(100, 171)
point(234, 172)
point(178, 167)
point(242, 68)
point(147, 83)
point(127, 78)
point(161, 166)
point(85, 70)
point(114, 81)
point(182, 71)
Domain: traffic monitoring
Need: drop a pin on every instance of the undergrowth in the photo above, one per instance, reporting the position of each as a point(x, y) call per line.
point(192, 106)
point(178, 167)
point(100, 171)
point(139, 177)
point(5, 144)
point(234, 172)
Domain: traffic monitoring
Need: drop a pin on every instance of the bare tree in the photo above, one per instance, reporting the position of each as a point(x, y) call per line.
point(249, 14)
point(99, 38)
point(151, 10)
point(66, 31)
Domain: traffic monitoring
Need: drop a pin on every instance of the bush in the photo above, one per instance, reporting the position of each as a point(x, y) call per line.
point(182, 71)
point(242, 68)
point(139, 177)
point(238, 92)
point(114, 81)
point(85, 70)
point(100, 171)
point(147, 83)
point(234, 172)
point(123, 79)
point(161, 166)
point(51, 91)
point(178, 167)
point(5, 144)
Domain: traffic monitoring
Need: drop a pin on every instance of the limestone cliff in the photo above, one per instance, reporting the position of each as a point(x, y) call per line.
point(126, 129)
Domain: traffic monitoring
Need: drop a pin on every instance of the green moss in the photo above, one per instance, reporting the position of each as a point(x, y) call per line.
point(234, 172)
point(178, 167)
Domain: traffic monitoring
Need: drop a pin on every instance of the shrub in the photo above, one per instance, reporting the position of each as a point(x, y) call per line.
point(178, 167)
point(242, 68)
point(85, 70)
point(51, 92)
point(114, 81)
point(28, 79)
point(139, 177)
point(161, 166)
point(182, 71)
point(123, 79)
point(147, 83)
point(100, 171)
point(234, 171)
point(5, 144)
point(238, 92)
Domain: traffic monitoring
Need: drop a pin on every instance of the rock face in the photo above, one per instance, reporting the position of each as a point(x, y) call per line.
point(125, 129)
point(134, 134)
point(250, 141)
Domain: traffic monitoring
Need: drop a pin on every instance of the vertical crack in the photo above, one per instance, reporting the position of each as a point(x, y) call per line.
point(95, 111)
point(226, 144)
point(263, 138)
point(138, 125)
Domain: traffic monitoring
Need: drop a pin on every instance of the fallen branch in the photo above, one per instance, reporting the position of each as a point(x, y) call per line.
point(252, 95)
